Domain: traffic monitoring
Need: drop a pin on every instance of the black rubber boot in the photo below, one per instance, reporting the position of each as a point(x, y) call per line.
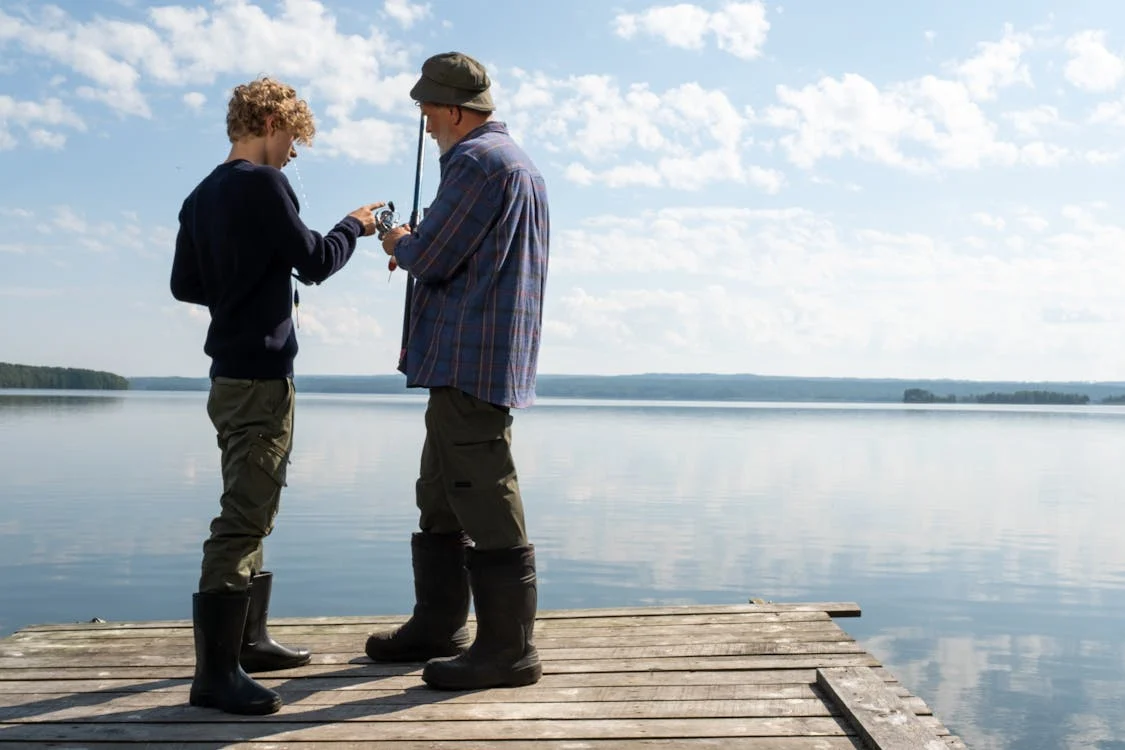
point(219, 680)
point(441, 596)
point(260, 652)
point(503, 654)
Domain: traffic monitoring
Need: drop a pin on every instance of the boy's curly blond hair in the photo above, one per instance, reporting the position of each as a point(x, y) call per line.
point(250, 104)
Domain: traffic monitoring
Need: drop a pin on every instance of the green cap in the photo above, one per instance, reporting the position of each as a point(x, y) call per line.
point(454, 78)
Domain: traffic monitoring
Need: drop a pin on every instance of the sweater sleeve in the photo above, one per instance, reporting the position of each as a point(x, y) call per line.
point(313, 255)
point(187, 282)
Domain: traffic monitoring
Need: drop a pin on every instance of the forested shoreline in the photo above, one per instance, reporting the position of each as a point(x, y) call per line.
point(59, 378)
point(723, 387)
point(643, 387)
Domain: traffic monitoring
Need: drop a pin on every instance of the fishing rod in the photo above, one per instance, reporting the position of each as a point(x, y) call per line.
point(415, 217)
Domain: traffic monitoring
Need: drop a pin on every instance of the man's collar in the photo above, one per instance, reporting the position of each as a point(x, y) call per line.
point(490, 126)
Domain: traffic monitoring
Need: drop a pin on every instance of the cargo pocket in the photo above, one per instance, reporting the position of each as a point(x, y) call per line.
point(478, 459)
point(270, 460)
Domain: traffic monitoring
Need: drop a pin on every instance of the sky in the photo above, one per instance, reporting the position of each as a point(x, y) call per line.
point(811, 188)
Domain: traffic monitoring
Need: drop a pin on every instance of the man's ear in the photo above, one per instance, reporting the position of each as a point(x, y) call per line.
point(270, 125)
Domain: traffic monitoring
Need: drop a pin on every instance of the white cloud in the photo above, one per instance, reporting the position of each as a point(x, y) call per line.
point(1111, 113)
point(31, 117)
point(1040, 154)
point(686, 137)
point(405, 12)
point(117, 62)
point(46, 138)
point(1032, 220)
point(338, 325)
point(793, 288)
point(682, 25)
point(68, 221)
point(922, 124)
point(1096, 156)
point(195, 100)
point(369, 140)
point(1032, 122)
point(987, 220)
point(1092, 66)
point(64, 227)
point(685, 173)
point(996, 65)
point(739, 28)
point(917, 125)
point(89, 50)
point(625, 175)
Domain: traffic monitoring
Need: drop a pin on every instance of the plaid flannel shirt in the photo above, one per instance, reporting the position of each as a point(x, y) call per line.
point(479, 260)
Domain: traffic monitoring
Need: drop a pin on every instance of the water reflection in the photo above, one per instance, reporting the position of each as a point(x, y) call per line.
point(57, 402)
point(1013, 691)
point(982, 544)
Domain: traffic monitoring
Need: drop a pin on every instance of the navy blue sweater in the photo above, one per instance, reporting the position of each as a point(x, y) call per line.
point(240, 238)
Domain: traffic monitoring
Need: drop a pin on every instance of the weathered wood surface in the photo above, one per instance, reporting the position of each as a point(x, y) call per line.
point(880, 717)
point(724, 743)
point(755, 611)
point(756, 677)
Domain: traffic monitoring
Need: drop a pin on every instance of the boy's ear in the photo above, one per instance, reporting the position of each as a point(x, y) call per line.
point(270, 126)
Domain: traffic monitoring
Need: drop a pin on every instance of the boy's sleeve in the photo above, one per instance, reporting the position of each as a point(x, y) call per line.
point(314, 256)
point(186, 282)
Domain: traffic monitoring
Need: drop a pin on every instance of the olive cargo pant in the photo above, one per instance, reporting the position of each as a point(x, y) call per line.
point(467, 480)
point(253, 420)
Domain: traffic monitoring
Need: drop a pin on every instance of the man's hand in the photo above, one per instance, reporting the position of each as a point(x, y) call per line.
point(392, 237)
point(366, 217)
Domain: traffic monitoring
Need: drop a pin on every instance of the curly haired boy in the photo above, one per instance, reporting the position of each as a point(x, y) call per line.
point(240, 240)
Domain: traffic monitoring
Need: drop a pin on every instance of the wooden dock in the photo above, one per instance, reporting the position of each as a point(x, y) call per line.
point(755, 676)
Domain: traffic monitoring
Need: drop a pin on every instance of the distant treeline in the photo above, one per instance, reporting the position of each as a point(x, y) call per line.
point(922, 396)
point(30, 376)
point(691, 387)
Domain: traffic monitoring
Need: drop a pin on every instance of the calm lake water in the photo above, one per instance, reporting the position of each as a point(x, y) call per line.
point(985, 545)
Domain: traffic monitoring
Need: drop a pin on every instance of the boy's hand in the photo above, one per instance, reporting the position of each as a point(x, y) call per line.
point(366, 217)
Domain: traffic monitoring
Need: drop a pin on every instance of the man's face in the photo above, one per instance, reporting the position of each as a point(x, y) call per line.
point(440, 119)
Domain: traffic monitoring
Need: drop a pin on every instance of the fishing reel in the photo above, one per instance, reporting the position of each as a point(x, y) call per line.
point(385, 220)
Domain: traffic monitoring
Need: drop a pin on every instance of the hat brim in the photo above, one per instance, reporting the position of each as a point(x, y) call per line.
point(429, 90)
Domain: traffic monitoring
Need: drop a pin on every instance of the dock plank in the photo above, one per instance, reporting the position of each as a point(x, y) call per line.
point(881, 718)
point(826, 609)
point(320, 644)
point(690, 743)
point(158, 653)
point(349, 634)
point(401, 682)
point(747, 676)
point(16, 705)
point(226, 730)
point(358, 666)
point(431, 708)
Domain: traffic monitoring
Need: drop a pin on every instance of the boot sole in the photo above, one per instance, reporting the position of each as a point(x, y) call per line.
point(252, 710)
point(272, 666)
point(519, 678)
